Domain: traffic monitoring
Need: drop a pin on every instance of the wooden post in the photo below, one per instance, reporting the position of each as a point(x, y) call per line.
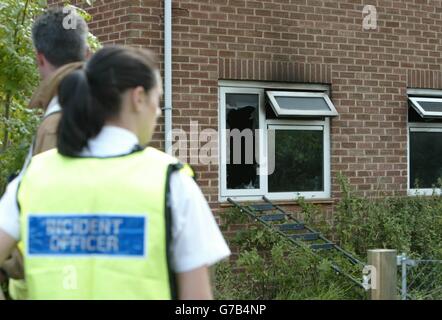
point(384, 275)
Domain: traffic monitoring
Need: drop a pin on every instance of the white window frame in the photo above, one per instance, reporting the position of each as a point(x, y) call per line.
point(304, 112)
point(323, 126)
point(420, 127)
point(224, 192)
point(256, 194)
point(415, 102)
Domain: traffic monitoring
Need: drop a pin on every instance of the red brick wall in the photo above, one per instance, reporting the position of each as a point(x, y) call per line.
point(311, 41)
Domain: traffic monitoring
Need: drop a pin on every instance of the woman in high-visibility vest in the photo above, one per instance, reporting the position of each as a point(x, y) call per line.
point(102, 217)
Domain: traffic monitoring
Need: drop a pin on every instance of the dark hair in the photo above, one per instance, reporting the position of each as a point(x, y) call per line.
point(92, 95)
point(58, 44)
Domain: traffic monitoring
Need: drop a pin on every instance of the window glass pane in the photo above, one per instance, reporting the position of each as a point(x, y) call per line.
point(414, 116)
point(299, 161)
point(431, 106)
point(425, 159)
point(302, 103)
point(270, 114)
point(242, 119)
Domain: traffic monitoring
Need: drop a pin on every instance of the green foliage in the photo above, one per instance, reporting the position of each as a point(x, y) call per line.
point(18, 79)
point(313, 215)
point(234, 216)
point(269, 267)
point(409, 224)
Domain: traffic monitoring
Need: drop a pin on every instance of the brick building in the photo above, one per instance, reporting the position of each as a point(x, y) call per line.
point(336, 97)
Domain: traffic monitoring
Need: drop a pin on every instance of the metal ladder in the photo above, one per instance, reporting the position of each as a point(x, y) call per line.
point(297, 232)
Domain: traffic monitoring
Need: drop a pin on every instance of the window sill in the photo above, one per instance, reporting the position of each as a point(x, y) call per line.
point(279, 202)
point(424, 192)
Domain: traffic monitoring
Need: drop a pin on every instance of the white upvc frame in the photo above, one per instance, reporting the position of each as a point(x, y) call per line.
point(275, 85)
point(224, 192)
point(256, 194)
point(434, 93)
point(415, 102)
point(305, 112)
point(420, 127)
point(324, 127)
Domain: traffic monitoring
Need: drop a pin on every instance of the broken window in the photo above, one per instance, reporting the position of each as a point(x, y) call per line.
point(242, 121)
point(297, 163)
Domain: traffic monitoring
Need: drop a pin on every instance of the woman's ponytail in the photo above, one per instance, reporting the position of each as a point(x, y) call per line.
point(81, 118)
point(91, 96)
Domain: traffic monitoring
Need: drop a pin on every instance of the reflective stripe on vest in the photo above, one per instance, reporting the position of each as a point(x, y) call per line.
point(97, 228)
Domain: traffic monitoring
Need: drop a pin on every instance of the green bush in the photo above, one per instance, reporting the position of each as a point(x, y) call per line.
point(270, 267)
point(409, 224)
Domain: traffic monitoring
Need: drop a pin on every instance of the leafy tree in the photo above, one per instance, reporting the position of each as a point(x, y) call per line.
point(18, 79)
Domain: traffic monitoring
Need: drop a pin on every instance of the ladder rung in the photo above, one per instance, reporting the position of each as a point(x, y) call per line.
point(272, 217)
point(322, 246)
point(306, 236)
point(291, 226)
point(262, 207)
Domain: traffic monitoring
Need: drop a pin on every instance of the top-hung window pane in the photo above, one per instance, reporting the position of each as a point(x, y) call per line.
point(301, 104)
point(427, 107)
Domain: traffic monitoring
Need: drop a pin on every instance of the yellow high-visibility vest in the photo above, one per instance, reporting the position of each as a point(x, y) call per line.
point(97, 228)
point(17, 288)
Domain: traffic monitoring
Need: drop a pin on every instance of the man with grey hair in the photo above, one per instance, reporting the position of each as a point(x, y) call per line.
point(56, 46)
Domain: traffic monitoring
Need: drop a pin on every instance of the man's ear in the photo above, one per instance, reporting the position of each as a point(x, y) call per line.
point(40, 58)
point(89, 53)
